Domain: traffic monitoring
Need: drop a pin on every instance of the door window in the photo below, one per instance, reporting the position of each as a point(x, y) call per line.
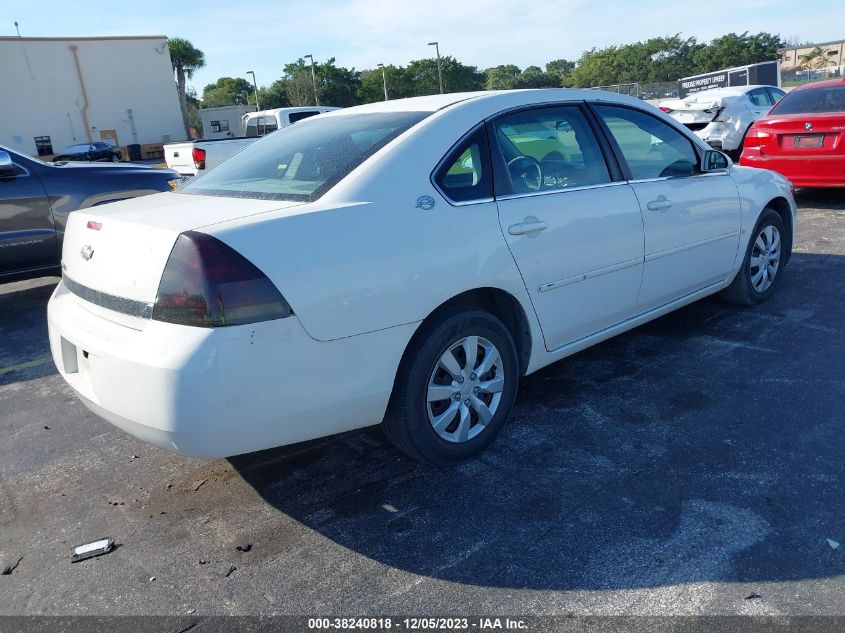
point(547, 149)
point(466, 175)
point(760, 98)
point(775, 94)
point(650, 147)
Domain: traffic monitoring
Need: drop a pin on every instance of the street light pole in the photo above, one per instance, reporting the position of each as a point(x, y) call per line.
point(313, 79)
point(384, 79)
point(255, 85)
point(436, 46)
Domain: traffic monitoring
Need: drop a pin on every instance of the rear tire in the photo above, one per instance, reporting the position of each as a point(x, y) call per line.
point(763, 262)
point(447, 408)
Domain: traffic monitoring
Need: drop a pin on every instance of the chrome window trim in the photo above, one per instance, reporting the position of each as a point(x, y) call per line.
point(567, 281)
point(532, 194)
point(123, 305)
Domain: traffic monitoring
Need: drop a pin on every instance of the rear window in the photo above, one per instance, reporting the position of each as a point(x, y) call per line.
point(812, 100)
point(303, 161)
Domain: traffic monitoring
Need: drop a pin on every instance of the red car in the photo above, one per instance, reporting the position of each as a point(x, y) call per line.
point(802, 136)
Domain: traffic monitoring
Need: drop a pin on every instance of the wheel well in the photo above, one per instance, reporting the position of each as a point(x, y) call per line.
point(781, 206)
point(504, 307)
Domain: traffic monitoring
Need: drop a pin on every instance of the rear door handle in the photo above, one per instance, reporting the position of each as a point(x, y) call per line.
point(524, 228)
point(660, 203)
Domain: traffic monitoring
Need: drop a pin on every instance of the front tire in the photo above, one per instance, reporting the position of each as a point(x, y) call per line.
point(455, 388)
point(762, 265)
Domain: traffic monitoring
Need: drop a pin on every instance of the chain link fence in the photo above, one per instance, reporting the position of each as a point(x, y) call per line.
point(645, 91)
point(791, 77)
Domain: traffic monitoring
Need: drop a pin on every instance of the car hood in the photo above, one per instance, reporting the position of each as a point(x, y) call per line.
point(117, 168)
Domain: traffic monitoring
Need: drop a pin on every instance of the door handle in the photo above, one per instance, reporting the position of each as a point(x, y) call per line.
point(524, 228)
point(660, 203)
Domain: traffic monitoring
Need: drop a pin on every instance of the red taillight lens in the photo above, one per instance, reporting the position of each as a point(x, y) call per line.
point(198, 155)
point(665, 109)
point(208, 284)
point(755, 137)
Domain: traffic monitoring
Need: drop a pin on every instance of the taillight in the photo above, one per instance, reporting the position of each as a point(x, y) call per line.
point(208, 284)
point(755, 137)
point(198, 154)
point(665, 109)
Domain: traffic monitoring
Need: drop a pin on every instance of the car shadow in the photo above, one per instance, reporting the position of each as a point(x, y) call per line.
point(703, 446)
point(24, 346)
point(826, 199)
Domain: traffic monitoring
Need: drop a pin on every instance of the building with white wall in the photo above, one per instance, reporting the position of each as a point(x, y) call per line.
point(56, 92)
point(225, 121)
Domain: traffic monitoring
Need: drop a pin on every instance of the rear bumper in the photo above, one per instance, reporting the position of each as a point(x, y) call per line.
point(802, 171)
point(720, 135)
point(224, 391)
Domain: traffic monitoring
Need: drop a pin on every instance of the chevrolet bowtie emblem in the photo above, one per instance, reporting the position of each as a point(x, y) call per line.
point(87, 252)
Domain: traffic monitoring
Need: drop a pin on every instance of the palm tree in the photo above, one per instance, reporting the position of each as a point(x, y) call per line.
point(186, 58)
point(815, 59)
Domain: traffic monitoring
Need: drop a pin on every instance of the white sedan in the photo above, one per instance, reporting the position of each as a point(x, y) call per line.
point(721, 116)
point(402, 263)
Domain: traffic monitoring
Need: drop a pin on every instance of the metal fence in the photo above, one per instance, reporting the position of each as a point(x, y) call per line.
point(791, 77)
point(655, 90)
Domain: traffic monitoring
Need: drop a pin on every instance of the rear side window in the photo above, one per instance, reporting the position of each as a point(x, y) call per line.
point(811, 101)
point(547, 149)
point(650, 147)
point(466, 175)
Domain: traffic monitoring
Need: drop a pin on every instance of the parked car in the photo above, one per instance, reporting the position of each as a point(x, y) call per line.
point(803, 136)
point(721, 116)
point(405, 261)
point(36, 198)
point(191, 157)
point(90, 152)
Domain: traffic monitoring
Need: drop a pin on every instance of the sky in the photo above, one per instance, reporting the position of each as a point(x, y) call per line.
point(238, 36)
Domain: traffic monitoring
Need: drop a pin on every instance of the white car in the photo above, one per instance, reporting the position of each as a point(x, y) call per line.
point(721, 116)
point(406, 262)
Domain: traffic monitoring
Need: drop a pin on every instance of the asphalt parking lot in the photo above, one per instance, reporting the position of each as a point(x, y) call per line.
point(678, 469)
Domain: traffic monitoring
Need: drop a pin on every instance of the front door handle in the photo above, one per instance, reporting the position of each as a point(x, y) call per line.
point(660, 203)
point(524, 228)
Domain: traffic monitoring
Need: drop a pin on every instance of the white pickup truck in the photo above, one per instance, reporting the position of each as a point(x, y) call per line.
point(191, 157)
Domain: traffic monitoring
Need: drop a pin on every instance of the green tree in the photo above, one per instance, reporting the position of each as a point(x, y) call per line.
point(275, 95)
point(737, 50)
point(185, 59)
point(815, 59)
point(336, 85)
point(194, 119)
point(503, 77)
point(227, 91)
point(562, 69)
point(457, 77)
point(399, 84)
point(536, 77)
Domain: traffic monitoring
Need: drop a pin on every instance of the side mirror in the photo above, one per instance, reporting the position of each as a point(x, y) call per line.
point(714, 161)
point(7, 167)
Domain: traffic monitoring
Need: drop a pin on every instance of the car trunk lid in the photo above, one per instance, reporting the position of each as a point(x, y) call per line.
point(119, 250)
point(800, 135)
point(695, 112)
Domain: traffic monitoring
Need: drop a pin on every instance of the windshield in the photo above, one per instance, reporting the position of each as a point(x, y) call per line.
point(73, 149)
point(811, 101)
point(303, 161)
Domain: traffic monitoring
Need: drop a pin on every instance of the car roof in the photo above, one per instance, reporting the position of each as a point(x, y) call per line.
point(434, 103)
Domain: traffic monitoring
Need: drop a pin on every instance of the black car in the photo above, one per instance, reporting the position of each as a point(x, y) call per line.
point(36, 198)
point(90, 152)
